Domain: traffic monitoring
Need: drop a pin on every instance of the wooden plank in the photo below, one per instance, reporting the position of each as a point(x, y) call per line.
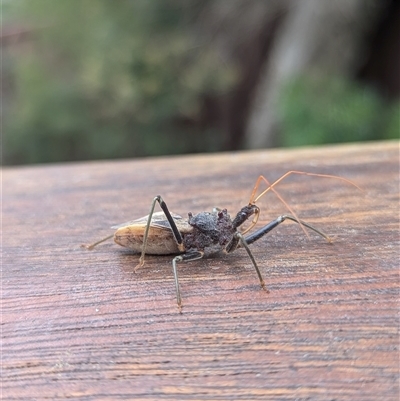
point(82, 325)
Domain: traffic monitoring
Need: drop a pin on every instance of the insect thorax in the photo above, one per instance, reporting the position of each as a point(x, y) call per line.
point(211, 232)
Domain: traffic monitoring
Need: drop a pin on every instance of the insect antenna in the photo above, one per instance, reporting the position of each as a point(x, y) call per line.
point(254, 197)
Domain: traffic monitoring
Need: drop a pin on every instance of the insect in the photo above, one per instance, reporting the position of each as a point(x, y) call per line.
point(205, 233)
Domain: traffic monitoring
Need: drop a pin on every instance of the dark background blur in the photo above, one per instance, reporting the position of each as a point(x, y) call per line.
point(95, 79)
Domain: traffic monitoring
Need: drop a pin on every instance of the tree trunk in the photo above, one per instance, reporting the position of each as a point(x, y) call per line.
point(316, 36)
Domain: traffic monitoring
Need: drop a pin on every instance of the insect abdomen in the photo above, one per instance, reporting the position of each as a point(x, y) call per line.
point(160, 241)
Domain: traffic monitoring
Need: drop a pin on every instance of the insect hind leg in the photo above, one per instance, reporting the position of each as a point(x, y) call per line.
point(91, 246)
point(177, 235)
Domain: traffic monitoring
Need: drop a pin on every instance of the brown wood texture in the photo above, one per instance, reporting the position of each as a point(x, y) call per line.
point(81, 325)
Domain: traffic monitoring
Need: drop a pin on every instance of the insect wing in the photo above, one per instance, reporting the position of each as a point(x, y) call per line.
point(158, 219)
point(161, 240)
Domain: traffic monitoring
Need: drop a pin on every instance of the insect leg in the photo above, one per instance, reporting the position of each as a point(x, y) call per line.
point(240, 240)
point(186, 257)
point(270, 226)
point(174, 228)
point(91, 246)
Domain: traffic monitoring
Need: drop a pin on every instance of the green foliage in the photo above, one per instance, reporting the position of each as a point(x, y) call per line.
point(100, 79)
point(317, 110)
point(392, 130)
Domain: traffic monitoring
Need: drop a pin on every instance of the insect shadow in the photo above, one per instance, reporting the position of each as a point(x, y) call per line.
point(203, 234)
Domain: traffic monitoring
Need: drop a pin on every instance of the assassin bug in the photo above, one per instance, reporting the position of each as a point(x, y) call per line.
point(203, 234)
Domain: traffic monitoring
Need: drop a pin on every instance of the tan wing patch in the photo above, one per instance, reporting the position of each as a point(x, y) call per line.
point(160, 241)
point(159, 220)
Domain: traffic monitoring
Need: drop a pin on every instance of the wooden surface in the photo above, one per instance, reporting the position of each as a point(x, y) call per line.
point(81, 324)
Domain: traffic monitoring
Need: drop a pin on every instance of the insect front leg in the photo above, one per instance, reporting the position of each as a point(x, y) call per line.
point(274, 223)
point(174, 228)
point(186, 257)
point(239, 240)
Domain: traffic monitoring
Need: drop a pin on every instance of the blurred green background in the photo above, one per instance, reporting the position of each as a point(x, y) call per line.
point(99, 79)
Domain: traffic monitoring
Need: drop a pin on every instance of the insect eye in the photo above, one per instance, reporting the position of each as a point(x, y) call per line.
point(222, 213)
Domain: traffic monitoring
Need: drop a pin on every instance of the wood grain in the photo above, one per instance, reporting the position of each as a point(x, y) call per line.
point(80, 324)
